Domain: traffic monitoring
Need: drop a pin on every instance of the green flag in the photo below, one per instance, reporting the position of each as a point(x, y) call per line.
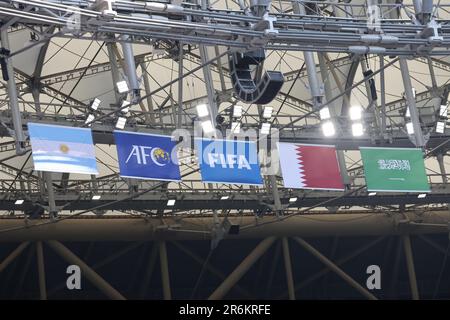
point(394, 169)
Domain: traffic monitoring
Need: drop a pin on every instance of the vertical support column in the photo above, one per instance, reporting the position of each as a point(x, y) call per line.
point(288, 268)
point(411, 101)
point(130, 67)
point(383, 97)
point(240, 270)
point(12, 94)
point(51, 195)
point(180, 86)
point(41, 270)
point(331, 107)
point(298, 7)
point(410, 266)
point(164, 270)
point(276, 195)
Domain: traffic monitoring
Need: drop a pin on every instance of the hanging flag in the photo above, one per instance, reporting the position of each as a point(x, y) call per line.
point(306, 166)
point(62, 149)
point(228, 161)
point(394, 169)
point(147, 156)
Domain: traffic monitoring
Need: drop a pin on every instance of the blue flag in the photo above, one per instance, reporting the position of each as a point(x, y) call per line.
point(147, 156)
point(62, 149)
point(228, 161)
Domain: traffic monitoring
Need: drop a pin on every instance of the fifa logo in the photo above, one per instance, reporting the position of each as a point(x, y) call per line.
point(142, 154)
point(228, 161)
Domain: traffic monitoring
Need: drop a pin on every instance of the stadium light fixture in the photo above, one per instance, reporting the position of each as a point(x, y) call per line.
point(19, 202)
point(265, 128)
point(95, 104)
point(96, 197)
point(207, 126)
point(171, 202)
point(371, 194)
point(328, 129)
point(202, 110)
point(121, 121)
point(293, 199)
point(122, 86)
point(89, 119)
point(409, 128)
point(440, 127)
point(124, 107)
point(324, 113)
point(443, 111)
point(422, 195)
point(407, 114)
point(224, 197)
point(357, 129)
point(355, 113)
point(237, 111)
point(267, 113)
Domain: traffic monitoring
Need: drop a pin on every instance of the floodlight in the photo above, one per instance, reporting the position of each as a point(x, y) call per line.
point(328, 129)
point(422, 195)
point(237, 111)
point(265, 128)
point(324, 113)
point(372, 194)
point(357, 129)
point(19, 202)
point(89, 119)
point(95, 104)
point(355, 113)
point(267, 113)
point(202, 110)
point(293, 199)
point(443, 111)
point(207, 126)
point(124, 108)
point(171, 202)
point(121, 121)
point(224, 197)
point(122, 86)
point(440, 127)
point(96, 197)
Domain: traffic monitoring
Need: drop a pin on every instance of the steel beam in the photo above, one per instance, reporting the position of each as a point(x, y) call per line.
point(41, 271)
point(288, 268)
point(13, 255)
point(335, 269)
point(90, 274)
point(240, 270)
point(164, 270)
point(410, 266)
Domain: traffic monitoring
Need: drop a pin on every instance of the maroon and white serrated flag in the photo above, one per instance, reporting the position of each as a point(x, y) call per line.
point(307, 166)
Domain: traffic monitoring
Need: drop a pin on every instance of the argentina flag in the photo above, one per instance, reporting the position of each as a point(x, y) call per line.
point(62, 149)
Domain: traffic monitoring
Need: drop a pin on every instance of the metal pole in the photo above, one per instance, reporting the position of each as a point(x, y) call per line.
point(41, 270)
point(335, 269)
point(243, 267)
point(383, 98)
point(90, 274)
point(130, 67)
point(180, 87)
point(13, 255)
point(13, 100)
point(411, 103)
point(164, 270)
point(51, 195)
point(314, 85)
point(410, 266)
point(114, 69)
point(288, 268)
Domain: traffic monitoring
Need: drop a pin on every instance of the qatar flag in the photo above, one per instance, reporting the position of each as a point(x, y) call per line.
point(306, 166)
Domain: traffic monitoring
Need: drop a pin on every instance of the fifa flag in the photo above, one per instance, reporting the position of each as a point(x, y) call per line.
point(62, 149)
point(147, 156)
point(394, 169)
point(228, 161)
point(306, 166)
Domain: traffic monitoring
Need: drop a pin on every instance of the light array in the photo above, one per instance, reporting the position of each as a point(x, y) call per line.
point(356, 115)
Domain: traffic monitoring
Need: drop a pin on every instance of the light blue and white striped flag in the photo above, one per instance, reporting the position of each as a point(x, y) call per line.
point(62, 149)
